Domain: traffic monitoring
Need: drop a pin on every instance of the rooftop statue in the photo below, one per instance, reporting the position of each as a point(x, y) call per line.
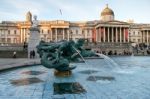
point(58, 55)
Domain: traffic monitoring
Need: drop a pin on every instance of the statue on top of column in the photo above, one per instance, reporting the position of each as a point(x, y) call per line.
point(35, 22)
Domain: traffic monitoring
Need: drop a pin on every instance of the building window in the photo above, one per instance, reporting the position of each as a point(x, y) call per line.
point(15, 32)
point(133, 33)
point(138, 40)
point(8, 40)
point(42, 31)
point(88, 32)
point(83, 32)
point(48, 31)
point(8, 32)
point(76, 31)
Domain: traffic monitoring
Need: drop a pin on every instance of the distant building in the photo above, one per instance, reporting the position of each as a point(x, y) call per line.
point(105, 30)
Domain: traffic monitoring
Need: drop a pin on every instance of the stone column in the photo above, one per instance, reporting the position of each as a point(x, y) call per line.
point(120, 35)
point(56, 34)
point(116, 35)
point(25, 32)
point(85, 34)
point(21, 35)
point(68, 34)
point(128, 34)
point(112, 34)
point(143, 36)
point(5, 35)
point(147, 37)
point(104, 34)
point(99, 33)
point(108, 34)
point(20, 41)
point(51, 35)
point(124, 35)
point(63, 34)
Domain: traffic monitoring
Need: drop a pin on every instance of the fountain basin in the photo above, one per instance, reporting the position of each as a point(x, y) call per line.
point(112, 84)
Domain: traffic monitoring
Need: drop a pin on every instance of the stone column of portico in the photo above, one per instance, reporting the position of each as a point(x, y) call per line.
point(120, 35)
point(104, 34)
point(4, 31)
point(21, 35)
point(116, 35)
point(86, 34)
point(68, 34)
point(108, 34)
point(128, 34)
point(99, 33)
point(56, 34)
point(63, 33)
point(124, 35)
point(51, 35)
point(112, 34)
point(143, 36)
point(24, 30)
point(147, 38)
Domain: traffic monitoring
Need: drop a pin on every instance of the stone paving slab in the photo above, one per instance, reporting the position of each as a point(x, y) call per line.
point(11, 63)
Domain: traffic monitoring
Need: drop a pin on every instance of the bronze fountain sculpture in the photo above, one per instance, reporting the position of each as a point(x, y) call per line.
point(59, 55)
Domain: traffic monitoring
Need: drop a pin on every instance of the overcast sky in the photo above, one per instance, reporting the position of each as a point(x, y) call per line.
point(75, 10)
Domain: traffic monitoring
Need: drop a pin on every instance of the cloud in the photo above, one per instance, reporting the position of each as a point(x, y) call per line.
point(72, 10)
point(26, 5)
point(76, 10)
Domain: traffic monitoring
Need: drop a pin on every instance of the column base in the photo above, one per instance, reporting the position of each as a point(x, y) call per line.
point(62, 73)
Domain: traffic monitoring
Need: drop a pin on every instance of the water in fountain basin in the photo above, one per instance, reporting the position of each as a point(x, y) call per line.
point(111, 63)
point(114, 66)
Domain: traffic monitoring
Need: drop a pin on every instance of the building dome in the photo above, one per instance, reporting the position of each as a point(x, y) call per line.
point(29, 16)
point(107, 14)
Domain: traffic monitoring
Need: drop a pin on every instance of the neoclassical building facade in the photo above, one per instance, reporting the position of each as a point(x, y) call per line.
point(105, 30)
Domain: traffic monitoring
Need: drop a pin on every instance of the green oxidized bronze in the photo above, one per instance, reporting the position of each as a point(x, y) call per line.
point(58, 55)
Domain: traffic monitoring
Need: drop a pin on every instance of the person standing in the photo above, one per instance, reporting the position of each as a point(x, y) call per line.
point(14, 54)
point(33, 54)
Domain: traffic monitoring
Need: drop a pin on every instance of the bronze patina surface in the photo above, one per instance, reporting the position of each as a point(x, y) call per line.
point(59, 55)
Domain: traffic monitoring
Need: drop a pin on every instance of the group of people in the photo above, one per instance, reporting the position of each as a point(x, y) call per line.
point(32, 54)
point(142, 48)
point(115, 52)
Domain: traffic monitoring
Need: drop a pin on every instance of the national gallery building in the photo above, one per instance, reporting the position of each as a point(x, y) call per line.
point(107, 31)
